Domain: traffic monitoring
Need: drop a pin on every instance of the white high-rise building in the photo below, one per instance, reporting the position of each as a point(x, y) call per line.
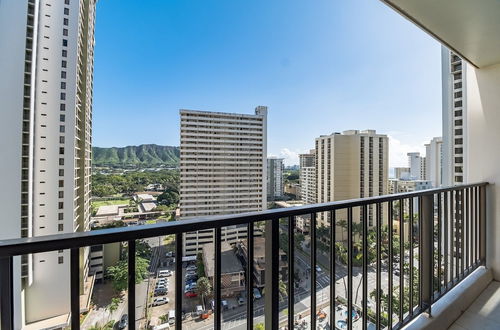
point(434, 161)
point(307, 177)
point(275, 168)
point(350, 165)
point(454, 75)
point(46, 66)
point(417, 166)
point(223, 169)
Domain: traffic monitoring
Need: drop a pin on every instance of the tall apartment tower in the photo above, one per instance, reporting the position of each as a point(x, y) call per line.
point(434, 161)
point(417, 165)
point(223, 169)
point(275, 169)
point(454, 118)
point(402, 173)
point(307, 177)
point(46, 66)
point(353, 164)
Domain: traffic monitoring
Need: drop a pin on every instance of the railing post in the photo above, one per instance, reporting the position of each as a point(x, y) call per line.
point(6, 297)
point(272, 273)
point(131, 285)
point(426, 242)
point(482, 224)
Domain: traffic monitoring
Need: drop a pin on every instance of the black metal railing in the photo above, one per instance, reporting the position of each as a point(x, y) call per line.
point(439, 240)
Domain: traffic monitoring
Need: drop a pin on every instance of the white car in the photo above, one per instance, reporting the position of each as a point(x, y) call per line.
point(190, 273)
point(161, 286)
point(191, 268)
point(160, 301)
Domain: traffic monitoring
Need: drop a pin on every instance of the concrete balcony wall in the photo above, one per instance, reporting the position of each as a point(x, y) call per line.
point(483, 160)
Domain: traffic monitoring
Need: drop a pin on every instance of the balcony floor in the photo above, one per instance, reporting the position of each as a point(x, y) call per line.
point(484, 313)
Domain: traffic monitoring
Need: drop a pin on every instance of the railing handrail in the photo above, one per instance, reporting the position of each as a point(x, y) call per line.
point(20, 246)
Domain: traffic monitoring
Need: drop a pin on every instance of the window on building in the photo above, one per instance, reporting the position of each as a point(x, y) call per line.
point(60, 227)
point(60, 259)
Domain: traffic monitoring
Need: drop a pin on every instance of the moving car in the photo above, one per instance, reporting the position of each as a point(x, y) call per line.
point(241, 301)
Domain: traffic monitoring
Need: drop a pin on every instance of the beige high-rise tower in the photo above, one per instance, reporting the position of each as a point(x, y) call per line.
point(350, 165)
point(223, 169)
point(307, 164)
point(46, 66)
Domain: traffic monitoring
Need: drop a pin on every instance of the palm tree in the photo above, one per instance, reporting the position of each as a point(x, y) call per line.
point(342, 224)
point(204, 288)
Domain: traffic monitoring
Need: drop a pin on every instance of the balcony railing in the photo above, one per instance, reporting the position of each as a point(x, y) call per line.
point(426, 242)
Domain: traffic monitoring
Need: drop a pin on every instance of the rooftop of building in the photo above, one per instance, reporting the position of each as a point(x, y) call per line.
point(230, 264)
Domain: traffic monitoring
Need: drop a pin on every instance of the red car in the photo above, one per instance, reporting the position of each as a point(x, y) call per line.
point(191, 294)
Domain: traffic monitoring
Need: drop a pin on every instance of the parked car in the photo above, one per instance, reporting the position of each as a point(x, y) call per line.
point(256, 293)
point(161, 286)
point(190, 273)
point(191, 277)
point(223, 304)
point(160, 301)
point(191, 294)
point(170, 254)
point(318, 269)
point(241, 301)
point(171, 317)
point(164, 273)
point(123, 322)
point(191, 268)
point(160, 292)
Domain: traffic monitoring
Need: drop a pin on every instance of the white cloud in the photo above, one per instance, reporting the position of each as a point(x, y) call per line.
point(398, 151)
point(290, 157)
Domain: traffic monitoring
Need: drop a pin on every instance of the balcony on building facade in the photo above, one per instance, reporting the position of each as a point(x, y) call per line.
point(421, 246)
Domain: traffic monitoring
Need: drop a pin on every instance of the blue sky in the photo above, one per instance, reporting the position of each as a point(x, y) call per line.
point(320, 66)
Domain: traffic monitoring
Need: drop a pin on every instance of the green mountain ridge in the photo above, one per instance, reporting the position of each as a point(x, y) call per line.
point(143, 155)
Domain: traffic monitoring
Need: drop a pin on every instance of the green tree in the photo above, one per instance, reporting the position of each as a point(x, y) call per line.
point(259, 326)
point(203, 287)
point(119, 273)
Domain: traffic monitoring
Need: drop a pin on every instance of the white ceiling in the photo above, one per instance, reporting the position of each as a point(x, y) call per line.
point(471, 28)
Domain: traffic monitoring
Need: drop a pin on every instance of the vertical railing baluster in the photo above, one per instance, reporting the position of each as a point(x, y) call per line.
point(217, 280)
point(365, 266)
point(379, 264)
point(482, 222)
point(272, 274)
point(178, 280)
point(476, 226)
point(427, 248)
point(446, 235)
point(7, 297)
point(74, 264)
point(462, 234)
point(458, 233)
point(390, 274)
point(420, 252)
point(412, 233)
point(453, 229)
point(313, 270)
point(291, 271)
point(250, 264)
point(349, 269)
point(467, 231)
point(401, 259)
point(333, 278)
point(439, 246)
point(131, 284)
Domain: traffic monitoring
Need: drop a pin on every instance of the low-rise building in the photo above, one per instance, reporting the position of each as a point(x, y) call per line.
point(259, 264)
point(232, 272)
point(400, 186)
